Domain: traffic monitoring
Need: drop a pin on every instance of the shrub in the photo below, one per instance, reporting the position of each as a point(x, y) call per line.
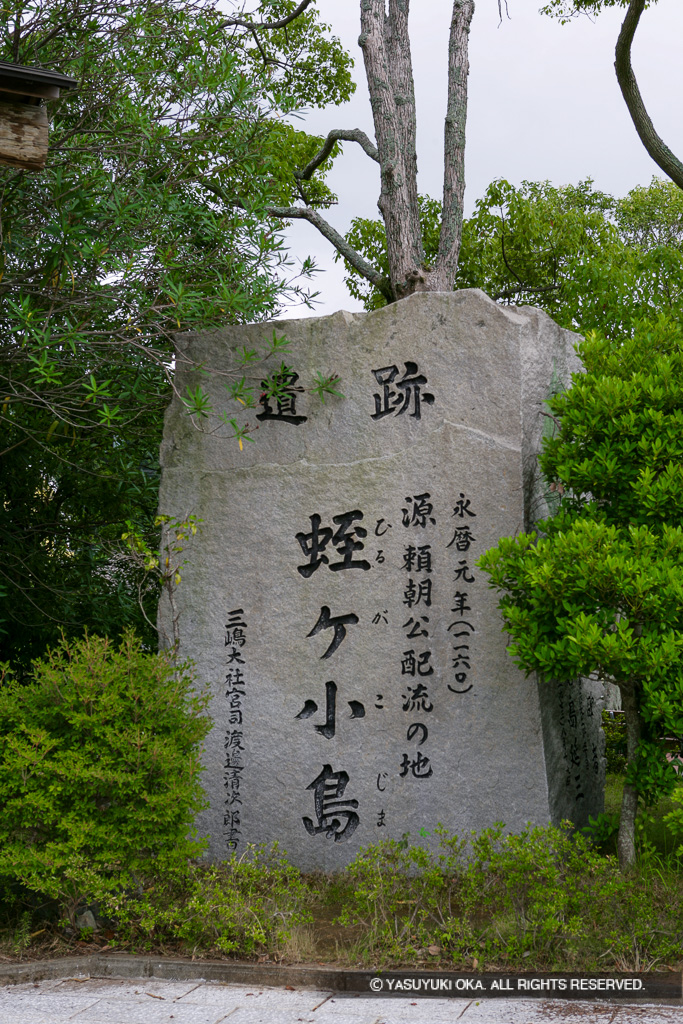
point(99, 770)
point(242, 906)
point(674, 819)
point(598, 587)
point(399, 893)
point(490, 897)
point(614, 729)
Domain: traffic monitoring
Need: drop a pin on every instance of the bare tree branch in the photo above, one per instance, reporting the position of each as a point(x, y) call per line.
point(385, 43)
point(338, 135)
point(402, 85)
point(337, 240)
point(658, 150)
point(243, 23)
point(510, 293)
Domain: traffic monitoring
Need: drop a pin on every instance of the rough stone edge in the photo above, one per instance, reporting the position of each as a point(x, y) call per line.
point(136, 967)
point(118, 965)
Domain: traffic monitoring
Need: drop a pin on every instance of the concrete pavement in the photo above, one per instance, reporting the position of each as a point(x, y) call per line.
point(86, 1000)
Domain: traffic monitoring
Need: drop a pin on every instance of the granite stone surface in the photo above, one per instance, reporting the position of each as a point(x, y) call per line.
point(360, 683)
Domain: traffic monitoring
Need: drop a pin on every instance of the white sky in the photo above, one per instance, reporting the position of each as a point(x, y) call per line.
point(543, 104)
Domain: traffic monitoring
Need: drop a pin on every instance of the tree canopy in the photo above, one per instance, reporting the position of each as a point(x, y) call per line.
point(149, 219)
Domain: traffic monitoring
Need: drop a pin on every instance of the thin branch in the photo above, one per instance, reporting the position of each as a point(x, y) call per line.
point(29, 574)
point(549, 415)
point(264, 56)
point(53, 451)
point(338, 135)
point(42, 611)
point(57, 30)
point(325, 228)
point(658, 150)
point(510, 293)
point(504, 255)
point(302, 194)
point(337, 240)
point(243, 23)
point(12, 447)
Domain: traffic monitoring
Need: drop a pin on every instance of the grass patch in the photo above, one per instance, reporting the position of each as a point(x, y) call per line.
point(541, 900)
point(545, 899)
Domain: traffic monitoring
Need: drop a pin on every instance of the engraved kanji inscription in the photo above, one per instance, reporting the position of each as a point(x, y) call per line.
point(284, 399)
point(397, 396)
point(347, 539)
point(336, 817)
point(338, 623)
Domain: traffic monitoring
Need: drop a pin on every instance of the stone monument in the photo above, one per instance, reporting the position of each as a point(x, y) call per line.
point(361, 687)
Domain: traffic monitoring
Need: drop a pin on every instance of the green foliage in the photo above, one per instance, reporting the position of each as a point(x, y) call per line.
point(602, 828)
point(99, 771)
point(368, 237)
point(245, 905)
point(178, 533)
point(158, 568)
point(398, 891)
point(544, 898)
point(21, 934)
point(656, 835)
point(615, 743)
point(310, 67)
point(591, 261)
point(620, 439)
point(674, 819)
point(565, 10)
point(599, 587)
point(588, 597)
point(149, 219)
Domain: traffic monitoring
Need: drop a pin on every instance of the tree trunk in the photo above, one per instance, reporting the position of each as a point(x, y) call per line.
point(385, 43)
point(626, 839)
point(658, 150)
point(386, 52)
point(443, 275)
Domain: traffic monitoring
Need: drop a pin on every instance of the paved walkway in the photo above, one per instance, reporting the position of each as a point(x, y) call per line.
point(110, 1001)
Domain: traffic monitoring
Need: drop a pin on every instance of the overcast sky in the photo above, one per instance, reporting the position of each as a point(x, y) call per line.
point(544, 104)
